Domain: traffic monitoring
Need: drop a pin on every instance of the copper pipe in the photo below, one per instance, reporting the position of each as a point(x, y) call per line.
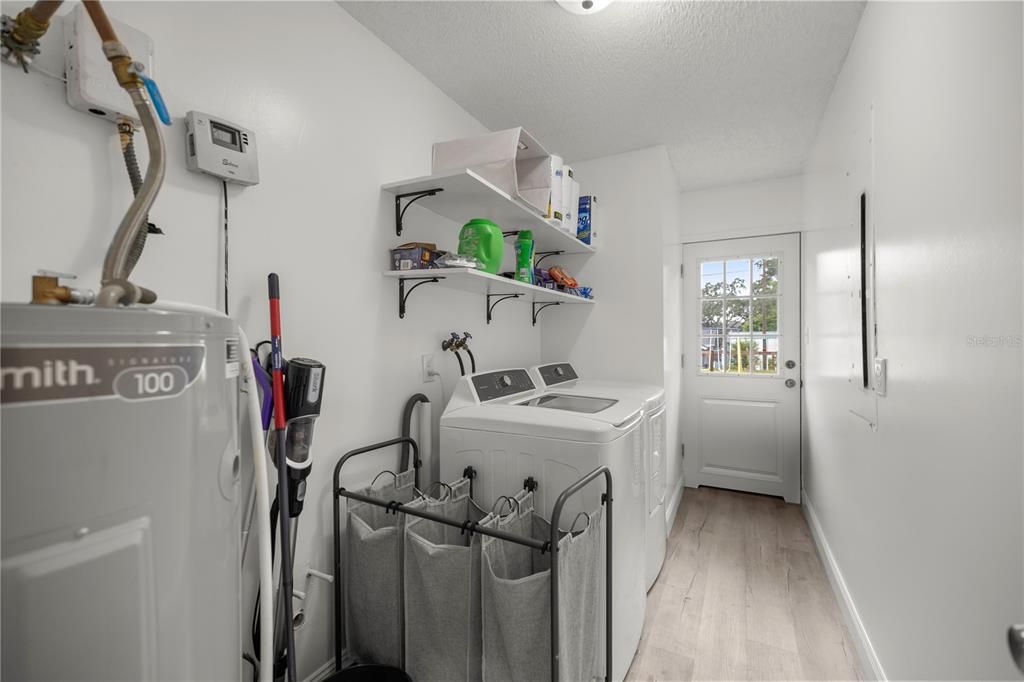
point(44, 10)
point(101, 21)
point(29, 26)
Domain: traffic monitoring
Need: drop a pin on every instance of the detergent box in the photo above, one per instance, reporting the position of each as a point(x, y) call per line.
point(585, 231)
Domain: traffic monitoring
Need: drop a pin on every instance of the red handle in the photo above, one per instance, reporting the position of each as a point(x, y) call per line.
point(276, 357)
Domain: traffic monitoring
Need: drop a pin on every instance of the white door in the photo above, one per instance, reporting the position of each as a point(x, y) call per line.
point(741, 365)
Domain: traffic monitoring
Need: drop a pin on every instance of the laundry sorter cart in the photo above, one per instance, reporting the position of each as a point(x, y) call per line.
point(549, 546)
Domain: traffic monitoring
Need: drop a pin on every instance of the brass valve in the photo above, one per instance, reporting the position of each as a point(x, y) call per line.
point(47, 290)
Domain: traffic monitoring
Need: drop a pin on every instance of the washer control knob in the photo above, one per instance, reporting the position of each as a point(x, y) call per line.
point(505, 381)
point(559, 371)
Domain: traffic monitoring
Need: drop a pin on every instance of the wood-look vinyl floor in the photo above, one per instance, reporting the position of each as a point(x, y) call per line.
point(742, 596)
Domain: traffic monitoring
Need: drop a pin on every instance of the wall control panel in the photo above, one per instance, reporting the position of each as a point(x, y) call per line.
point(220, 148)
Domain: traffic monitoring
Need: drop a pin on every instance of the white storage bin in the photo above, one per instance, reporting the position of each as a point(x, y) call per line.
point(512, 160)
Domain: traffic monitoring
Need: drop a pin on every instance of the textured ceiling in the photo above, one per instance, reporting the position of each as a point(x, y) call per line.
point(734, 90)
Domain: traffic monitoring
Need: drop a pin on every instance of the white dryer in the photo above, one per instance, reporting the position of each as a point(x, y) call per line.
point(561, 377)
point(509, 432)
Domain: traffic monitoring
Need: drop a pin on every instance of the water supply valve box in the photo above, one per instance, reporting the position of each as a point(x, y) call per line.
point(92, 87)
point(220, 148)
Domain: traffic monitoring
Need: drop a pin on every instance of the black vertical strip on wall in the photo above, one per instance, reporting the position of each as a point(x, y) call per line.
point(864, 287)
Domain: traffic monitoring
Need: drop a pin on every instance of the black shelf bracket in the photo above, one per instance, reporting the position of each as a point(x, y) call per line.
point(403, 295)
point(413, 197)
point(500, 297)
point(541, 255)
point(537, 311)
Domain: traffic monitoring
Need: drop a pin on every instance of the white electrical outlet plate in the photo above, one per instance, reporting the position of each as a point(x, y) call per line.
point(429, 372)
point(880, 375)
point(92, 87)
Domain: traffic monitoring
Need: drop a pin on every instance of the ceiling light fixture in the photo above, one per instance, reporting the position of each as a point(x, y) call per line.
point(583, 6)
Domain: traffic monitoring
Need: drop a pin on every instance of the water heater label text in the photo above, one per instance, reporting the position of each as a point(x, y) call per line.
point(34, 374)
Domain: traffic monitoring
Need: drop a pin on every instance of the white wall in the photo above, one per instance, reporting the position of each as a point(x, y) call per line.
point(622, 336)
point(337, 114)
point(750, 209)
point(923, 513)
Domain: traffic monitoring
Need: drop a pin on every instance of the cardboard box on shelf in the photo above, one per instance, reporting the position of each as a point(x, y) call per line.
point(414, 256)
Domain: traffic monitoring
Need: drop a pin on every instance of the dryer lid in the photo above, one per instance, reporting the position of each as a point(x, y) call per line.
point(649, 396)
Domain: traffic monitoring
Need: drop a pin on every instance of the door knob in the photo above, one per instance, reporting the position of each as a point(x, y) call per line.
point(1015, 637)
point(790, 364)
point(790, 383)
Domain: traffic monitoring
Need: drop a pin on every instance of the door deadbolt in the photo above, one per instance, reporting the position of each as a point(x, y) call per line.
point(790, 383)
point(790, 364)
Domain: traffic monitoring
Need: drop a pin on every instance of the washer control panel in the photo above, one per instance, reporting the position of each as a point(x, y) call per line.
point(501, 384)
point(558, 373)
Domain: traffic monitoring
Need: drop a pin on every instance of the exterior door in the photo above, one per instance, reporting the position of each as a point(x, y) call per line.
point(741, 365)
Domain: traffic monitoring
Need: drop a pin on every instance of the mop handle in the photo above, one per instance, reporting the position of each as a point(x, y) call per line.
point(274, 291)
point(276, 359)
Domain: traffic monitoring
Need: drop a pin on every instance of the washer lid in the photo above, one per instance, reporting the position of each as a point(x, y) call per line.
point(544, 422)
point(582, 404)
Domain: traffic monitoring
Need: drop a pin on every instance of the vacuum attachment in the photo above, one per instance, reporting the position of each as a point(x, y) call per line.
point(303, 389)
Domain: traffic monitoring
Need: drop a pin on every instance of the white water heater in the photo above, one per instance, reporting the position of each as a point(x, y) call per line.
point(120, 501)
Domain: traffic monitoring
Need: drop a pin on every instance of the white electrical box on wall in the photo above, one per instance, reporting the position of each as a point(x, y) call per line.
point(220, 148)
point(92, 87)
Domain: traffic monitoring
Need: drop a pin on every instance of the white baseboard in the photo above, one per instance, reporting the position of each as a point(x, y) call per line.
point(672, 506)
point(868, 658)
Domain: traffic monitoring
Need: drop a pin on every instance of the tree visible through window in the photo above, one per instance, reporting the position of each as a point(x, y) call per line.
point(739, 310)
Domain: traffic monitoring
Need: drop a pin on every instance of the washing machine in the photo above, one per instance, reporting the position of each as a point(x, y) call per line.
point(562, 377)
point(510, 432)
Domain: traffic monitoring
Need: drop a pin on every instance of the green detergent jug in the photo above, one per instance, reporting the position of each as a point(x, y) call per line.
point(482, 239)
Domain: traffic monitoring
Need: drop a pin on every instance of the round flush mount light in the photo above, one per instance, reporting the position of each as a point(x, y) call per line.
point(583, 6)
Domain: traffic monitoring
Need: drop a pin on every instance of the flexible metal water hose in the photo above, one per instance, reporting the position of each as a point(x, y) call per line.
point(117, 266)
point(126, 131)
point(20, 39)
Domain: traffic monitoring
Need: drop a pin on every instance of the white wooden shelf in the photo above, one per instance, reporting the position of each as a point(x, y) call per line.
point(463, 195)
point(491, 286)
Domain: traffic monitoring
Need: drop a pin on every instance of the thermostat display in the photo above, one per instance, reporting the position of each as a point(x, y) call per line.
point(225, 137)
point(221, 149)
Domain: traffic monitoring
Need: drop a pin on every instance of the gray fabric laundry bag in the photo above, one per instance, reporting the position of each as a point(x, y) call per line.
point(516, 601)
point(442, 592)
point(373, 585)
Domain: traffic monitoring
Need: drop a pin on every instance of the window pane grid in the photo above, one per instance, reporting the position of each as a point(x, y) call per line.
point(739, 308)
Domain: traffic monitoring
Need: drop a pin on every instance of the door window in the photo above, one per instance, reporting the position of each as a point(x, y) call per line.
point(739, 309)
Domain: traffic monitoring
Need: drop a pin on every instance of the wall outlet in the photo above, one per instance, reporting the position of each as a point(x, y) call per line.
point(429, 372)
point(881, 372)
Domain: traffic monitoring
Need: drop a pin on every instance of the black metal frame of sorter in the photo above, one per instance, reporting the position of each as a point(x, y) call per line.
point(467, 526)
